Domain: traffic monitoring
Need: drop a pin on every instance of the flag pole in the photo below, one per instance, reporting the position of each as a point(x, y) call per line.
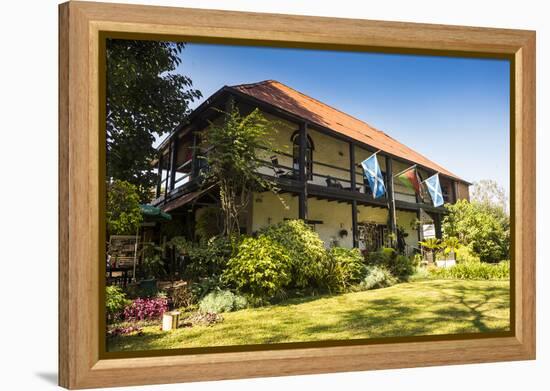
point(405, 170)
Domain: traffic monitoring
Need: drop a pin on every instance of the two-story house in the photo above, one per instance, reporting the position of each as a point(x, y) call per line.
point(317, 170)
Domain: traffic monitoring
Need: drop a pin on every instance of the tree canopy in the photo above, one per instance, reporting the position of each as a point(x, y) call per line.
point(485, 228)
point(489, 192)
point(234, 161)
point(123, 210)
point(145, 100)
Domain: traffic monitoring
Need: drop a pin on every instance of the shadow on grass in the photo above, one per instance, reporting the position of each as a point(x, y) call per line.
point(437, 307)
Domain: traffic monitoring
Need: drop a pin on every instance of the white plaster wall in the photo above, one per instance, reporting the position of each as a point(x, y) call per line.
point(372, 214)
point(329, 150)
point(335, 217)
point(267, 209)
point(405, 219)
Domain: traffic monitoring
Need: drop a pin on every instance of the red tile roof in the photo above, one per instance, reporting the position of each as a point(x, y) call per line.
point(283, 97)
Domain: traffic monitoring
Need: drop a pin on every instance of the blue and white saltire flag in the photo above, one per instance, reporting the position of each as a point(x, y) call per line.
point(432, 183)
point(374, 176)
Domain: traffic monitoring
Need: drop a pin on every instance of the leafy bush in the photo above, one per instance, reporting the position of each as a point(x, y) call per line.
point(181, 296)
point(376, 277)
point(304, 248)
point(123, 215)
point(473, 271)
point(221, 301)
point(207, 258)
point(485, 228)
point(262, 267)
point(208, 223)
point(153, 263)
point(465, 254)
point(420, 273)
point(202, 286)
point(400, 266)
point(115, 302)
point(146, 309)
point(343, 267)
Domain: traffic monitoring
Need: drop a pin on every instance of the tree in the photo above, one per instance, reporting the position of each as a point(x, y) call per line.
point(123, 211)
point(145, 99)
point(489, 192)
point(485, 228)
point(234, 161)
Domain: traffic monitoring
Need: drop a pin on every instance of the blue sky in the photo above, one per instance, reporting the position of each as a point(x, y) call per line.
point(455, 111)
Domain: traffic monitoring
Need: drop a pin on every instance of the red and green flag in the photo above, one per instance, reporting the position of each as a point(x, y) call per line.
point(410, 179)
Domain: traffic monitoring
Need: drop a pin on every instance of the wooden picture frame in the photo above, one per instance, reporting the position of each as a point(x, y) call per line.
point(81, 24)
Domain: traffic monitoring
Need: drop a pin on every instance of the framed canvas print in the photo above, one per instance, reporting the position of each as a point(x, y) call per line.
point(247, 195)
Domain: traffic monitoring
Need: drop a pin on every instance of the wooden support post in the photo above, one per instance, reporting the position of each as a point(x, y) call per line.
point(352, 166)
point(167, 181)
point(159, 171)
point(302, 209)
point(454, 192)
point(419, 229)
point(437, 224)
point(391, 200)
point(354, 230)
point(194, 165)
point(173, 160)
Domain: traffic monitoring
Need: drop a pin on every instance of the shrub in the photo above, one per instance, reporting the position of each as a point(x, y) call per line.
point(420, 273)
point(146, 309)
point(484, 227)
point(465, 254)
point(115, 302)
point(202, 286)
point(304, 248)
point(208, 223)
point(123, 213)
point(181, 296)
point(400, 266)
point(376, 277)
point(343, 267)
point(262, 267)
point(207, 258)
point(221, 301)
point(473, 271)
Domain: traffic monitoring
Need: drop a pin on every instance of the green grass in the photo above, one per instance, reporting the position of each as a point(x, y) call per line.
point(409, 309)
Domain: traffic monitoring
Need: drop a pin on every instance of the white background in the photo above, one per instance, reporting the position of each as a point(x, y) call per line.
point(28, 219)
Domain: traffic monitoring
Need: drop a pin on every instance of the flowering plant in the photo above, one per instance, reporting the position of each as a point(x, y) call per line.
point(146, 309)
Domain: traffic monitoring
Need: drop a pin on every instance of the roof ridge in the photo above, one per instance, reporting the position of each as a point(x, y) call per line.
point(250, 85)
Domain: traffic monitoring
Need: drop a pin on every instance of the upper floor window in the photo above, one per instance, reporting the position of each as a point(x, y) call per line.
point(296, 154)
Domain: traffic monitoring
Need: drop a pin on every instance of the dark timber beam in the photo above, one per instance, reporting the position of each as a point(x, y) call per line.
point(159, 172)
point(354, 231)
point(302, 175)
point(194, 165)
point(437, 224)
point(168, 173)
point(173, 160)
point(391, 200)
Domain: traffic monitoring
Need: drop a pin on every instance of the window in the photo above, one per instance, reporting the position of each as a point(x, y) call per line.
point(296, 154)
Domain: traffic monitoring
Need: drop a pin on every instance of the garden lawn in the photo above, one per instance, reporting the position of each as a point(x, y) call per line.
point(408, 309)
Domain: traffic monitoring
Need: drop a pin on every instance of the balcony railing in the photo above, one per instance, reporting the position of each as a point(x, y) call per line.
point(281, 166)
